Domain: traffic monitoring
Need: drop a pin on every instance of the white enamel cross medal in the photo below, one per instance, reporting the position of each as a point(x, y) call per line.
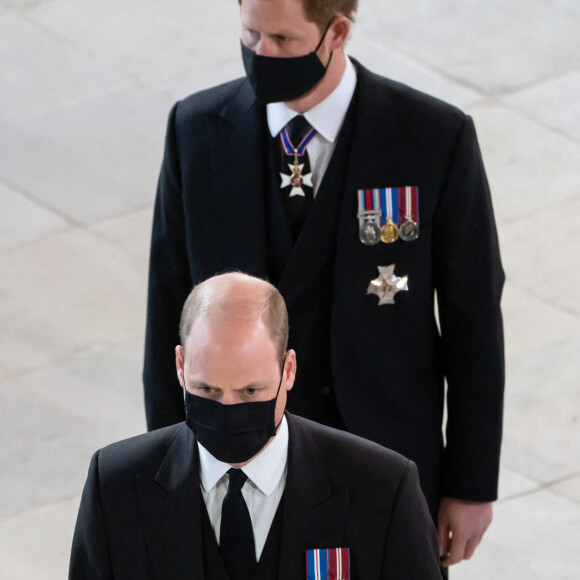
point(296, 179)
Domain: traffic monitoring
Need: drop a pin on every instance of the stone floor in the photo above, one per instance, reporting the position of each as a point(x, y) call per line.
point(85, 91)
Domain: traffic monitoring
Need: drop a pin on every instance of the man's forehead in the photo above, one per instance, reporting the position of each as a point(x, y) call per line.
point(228, 332)
point(227, 319)
point(242, 354)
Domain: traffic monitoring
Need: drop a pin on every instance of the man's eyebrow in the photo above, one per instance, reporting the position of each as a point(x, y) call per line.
point(291, 33)
point(202, 385)
point(252, 386)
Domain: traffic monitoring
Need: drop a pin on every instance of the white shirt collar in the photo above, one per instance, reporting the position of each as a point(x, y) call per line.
point(327, 116)
point(265, 470)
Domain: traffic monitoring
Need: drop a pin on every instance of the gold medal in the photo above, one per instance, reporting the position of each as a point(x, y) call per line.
point(389, 232)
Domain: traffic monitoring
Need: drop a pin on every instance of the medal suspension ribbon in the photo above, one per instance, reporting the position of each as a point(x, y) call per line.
point(289, 149)
point(368, 205)
point(389, 205)
point(328, 564)
point(410, 198)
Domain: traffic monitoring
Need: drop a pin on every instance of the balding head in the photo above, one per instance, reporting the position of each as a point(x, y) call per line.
point(236, 299)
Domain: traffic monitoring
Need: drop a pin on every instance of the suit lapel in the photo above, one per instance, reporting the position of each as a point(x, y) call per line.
point(375, 148)
point(171, 512)
point(315, 513)
point(236, 199)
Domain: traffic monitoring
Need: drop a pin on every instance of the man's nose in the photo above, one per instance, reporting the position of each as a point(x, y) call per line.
point(228, 399)
point(265, 47)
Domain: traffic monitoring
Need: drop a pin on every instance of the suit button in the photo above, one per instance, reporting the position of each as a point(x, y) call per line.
point(325, 390)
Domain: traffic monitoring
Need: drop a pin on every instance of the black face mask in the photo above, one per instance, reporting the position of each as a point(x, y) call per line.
point(231, 433)
point(276, 79)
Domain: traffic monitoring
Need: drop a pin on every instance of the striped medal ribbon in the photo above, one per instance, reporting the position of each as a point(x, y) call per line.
point(328, 564)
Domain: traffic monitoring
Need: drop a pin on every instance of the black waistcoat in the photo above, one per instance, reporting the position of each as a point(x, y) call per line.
point(267, 568)
point(310, 311)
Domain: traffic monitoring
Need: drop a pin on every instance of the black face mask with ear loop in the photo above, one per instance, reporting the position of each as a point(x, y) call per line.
point(232, 433)
point(276, 79)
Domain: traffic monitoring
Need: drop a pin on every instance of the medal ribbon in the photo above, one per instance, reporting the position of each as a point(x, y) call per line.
point(389, 205)
point(289, 148)
point(328, 564)
point(409, 203)
point(368, 204)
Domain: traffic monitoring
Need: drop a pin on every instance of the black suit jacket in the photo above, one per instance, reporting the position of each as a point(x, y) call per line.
point(387, 362)
point(140, 514)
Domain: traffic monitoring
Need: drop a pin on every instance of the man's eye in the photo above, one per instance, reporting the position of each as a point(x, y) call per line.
point(251, 391)
point(250, 36)
point(206, 390)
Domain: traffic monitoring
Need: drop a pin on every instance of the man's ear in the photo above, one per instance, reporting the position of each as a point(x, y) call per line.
point(290, 366)
point(179, 364)
point(339, 31)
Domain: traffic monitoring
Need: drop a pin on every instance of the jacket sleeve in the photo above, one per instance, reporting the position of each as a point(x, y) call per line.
point(412, 549)
point(169, 285)
point(90, 551)
point(469, 280)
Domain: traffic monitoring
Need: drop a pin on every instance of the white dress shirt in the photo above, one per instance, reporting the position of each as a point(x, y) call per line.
point(262, 491)
point(326, 117)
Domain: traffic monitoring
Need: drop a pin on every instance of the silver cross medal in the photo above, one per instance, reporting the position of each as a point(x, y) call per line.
point(387, 285)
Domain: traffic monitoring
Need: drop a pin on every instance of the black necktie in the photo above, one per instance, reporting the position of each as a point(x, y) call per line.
point(236, 532)
point(295, 174)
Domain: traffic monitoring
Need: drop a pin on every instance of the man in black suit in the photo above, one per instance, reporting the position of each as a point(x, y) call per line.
point(165, 504)
point(319, 215)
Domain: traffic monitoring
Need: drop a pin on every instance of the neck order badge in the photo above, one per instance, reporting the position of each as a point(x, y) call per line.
point(296, 179)
point(328, 564)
